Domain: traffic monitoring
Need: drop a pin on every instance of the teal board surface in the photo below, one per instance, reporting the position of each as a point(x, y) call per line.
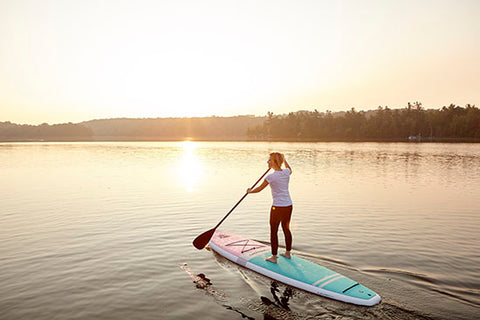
point(313, 274)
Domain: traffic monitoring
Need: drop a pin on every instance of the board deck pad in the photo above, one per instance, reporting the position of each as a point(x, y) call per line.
point(296, 271)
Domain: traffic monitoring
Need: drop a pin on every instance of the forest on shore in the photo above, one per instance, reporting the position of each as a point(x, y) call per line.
point(412, 123)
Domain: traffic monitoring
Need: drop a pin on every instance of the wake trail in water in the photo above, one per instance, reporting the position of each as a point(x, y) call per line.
point(467, 296)
point(202, 282)
point(291, 303)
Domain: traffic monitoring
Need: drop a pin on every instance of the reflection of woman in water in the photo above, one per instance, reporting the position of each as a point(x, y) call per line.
point(281, 210)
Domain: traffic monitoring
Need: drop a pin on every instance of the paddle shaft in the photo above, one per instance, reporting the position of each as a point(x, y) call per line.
point(202, 240)
point(246, 193)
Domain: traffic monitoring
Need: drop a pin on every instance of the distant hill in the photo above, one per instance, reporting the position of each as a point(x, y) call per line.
point(124, 129)
point(201, 128)
point(44, 132)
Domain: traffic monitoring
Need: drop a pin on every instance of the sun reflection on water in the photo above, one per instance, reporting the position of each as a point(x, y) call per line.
point(189, 169)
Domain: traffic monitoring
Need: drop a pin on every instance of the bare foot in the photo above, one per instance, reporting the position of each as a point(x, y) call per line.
point(272, 259)
point(286, 254)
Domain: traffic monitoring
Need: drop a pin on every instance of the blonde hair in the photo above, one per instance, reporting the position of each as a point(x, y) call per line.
point(277, 158)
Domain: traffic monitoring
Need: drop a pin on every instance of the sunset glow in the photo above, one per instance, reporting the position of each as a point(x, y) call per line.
point(71, 61)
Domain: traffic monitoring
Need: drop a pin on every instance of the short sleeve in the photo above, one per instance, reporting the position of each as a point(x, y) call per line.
point(267, 178)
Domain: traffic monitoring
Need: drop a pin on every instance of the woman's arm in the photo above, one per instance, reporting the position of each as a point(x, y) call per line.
point(259, 188)
point(286, 163)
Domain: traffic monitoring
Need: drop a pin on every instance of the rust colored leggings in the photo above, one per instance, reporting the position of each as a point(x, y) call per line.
point(280, 215)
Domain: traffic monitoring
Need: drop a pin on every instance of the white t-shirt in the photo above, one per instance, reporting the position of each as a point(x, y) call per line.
point(278, 181)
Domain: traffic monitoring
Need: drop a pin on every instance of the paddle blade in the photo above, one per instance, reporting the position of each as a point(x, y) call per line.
point(202, 240)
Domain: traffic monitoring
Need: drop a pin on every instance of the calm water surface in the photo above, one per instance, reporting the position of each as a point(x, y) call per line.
point(104, 230)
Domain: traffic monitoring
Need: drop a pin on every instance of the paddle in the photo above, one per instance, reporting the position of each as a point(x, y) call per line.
point(202, 240)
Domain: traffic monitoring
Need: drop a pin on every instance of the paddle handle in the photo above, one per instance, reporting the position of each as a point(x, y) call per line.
point(246, 193)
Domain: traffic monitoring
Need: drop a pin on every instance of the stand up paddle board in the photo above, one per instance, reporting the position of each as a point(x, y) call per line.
point(296, 272)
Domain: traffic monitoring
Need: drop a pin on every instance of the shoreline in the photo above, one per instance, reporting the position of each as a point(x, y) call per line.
point(203, 139)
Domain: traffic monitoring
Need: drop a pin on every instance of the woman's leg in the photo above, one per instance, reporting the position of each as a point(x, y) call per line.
point(286, 227)
point(274, 223)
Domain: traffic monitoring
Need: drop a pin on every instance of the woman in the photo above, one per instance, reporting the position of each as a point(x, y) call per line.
point(281, 210)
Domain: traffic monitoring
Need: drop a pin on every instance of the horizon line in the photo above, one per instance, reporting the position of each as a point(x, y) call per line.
point(235, 116)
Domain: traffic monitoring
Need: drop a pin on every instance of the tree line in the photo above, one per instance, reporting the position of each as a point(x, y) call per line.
point(125, 129)
point(452, 123)
point(58, 132)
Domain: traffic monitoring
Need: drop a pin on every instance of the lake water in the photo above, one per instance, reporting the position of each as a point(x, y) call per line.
point(104, 230)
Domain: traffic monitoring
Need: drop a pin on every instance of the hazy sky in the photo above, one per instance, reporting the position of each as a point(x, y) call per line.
point(69, 61)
